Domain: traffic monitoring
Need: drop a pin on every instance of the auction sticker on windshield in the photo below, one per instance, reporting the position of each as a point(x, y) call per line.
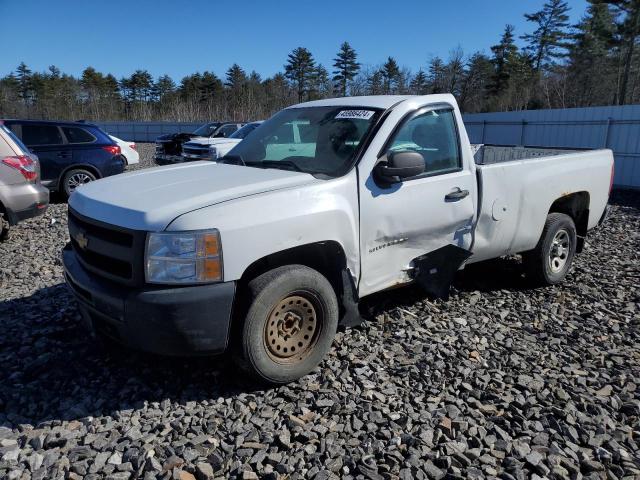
point(363, 114)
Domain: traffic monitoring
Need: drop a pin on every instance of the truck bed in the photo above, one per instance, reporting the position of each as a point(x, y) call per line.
point(487, 154)
point(518, 186)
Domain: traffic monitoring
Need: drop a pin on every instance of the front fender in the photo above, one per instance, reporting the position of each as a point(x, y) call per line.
point(259, 225)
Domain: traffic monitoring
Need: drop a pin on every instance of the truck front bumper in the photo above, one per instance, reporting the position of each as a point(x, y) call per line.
point(179, 321)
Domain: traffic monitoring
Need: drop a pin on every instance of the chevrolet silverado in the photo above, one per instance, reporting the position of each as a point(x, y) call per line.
point(268, 251)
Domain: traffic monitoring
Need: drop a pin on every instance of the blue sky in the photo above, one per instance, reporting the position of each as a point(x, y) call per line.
point(180, 37)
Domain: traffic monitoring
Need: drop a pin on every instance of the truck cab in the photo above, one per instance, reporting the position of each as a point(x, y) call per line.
point(267, 251)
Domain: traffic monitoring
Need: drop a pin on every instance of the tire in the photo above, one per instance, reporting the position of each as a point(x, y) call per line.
point(5, 228)
point(289, 326)
point(550, 261)
point(75, 177)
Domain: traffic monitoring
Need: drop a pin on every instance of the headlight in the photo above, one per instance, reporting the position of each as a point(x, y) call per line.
point(183, 257)
point(213, 151)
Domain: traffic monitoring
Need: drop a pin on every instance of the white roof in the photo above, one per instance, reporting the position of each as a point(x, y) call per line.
point(375, 101)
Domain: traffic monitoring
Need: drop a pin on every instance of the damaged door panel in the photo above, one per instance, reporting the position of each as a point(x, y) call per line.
point(435, 271)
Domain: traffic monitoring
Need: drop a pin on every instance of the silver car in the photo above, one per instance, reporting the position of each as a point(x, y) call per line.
point(21, 194)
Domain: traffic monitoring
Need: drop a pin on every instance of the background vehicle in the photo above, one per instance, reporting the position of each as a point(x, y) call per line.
point(70, 153)
point(214, 148)
point(270, 249)
point(128, 150)
point(21, 194)
point(169, 147)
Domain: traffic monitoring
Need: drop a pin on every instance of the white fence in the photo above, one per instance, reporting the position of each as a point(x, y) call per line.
point(616, 127)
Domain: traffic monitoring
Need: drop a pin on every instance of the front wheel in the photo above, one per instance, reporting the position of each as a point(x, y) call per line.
point(75, 178)
point(550, 261)
point(291, 322)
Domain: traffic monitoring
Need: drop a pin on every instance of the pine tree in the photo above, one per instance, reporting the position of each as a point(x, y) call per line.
point(236, 77)
point(419, 83)
point(628, 33)
point(477, 77)
point(375, 82)
point(549, 41)
point(24, 81)
point(321, 86)
point(436, 75)
point(346, 68)
point(390, 75)
point(503, 54)
point(210, 87)
point(163, 87)
point(301, 69)
point(590, 67)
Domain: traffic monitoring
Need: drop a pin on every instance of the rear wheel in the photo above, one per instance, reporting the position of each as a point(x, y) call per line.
point(75, 178)
point(550, 261)
point(290, 324)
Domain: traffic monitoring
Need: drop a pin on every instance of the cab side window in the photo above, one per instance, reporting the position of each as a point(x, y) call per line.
point(78, 135)
point(434, 136)
point(227, 130)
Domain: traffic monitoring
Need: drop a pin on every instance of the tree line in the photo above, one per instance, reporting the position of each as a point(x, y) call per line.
point(595, 62)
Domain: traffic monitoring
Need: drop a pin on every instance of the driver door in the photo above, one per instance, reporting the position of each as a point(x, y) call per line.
point(407, 226)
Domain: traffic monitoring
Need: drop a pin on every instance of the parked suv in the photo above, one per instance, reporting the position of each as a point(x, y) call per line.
point(70, 153)
point(169, 147)
point(21, 194)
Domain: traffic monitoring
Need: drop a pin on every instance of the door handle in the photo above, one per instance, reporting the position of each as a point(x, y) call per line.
point(457, 194)
point(64, 155)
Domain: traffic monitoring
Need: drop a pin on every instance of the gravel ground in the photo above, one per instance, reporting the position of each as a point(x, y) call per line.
point(498, 381)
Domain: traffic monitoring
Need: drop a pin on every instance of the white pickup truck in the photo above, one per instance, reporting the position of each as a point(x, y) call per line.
point(268, 251)
point(214, 148)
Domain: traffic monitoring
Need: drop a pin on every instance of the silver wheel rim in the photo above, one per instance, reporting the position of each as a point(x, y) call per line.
point(77, 179)
point(559, 251)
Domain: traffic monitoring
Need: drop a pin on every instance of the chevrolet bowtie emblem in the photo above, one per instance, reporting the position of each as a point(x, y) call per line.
point(82, 240)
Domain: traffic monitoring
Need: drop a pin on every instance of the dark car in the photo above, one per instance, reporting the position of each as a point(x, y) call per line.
point(169, 147)
point(70, 153)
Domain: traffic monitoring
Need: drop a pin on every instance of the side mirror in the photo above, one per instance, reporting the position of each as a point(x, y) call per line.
point(399, 165)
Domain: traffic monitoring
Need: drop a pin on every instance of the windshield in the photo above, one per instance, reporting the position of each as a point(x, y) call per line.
point(207, 129)
point(244, 131)
point(316, 140)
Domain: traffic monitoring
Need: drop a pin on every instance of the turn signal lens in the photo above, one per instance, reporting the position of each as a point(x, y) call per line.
point(211, 245)
point(212, 269)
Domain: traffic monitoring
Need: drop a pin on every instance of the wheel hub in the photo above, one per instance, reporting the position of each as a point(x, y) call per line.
point(289, 325)
point(559, 251)
point(291, 328)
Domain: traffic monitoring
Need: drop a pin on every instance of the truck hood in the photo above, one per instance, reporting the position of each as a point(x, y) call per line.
point(151, 199)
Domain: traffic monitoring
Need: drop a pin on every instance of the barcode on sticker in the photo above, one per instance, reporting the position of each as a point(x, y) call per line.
point(363, 114)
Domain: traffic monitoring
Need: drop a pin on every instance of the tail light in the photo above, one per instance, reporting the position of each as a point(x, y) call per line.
point(132, 146)
point(613, 165)
point(25, 164)
point(112, 149)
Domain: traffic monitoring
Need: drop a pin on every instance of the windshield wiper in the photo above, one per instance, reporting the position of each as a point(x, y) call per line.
point(276, 164)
